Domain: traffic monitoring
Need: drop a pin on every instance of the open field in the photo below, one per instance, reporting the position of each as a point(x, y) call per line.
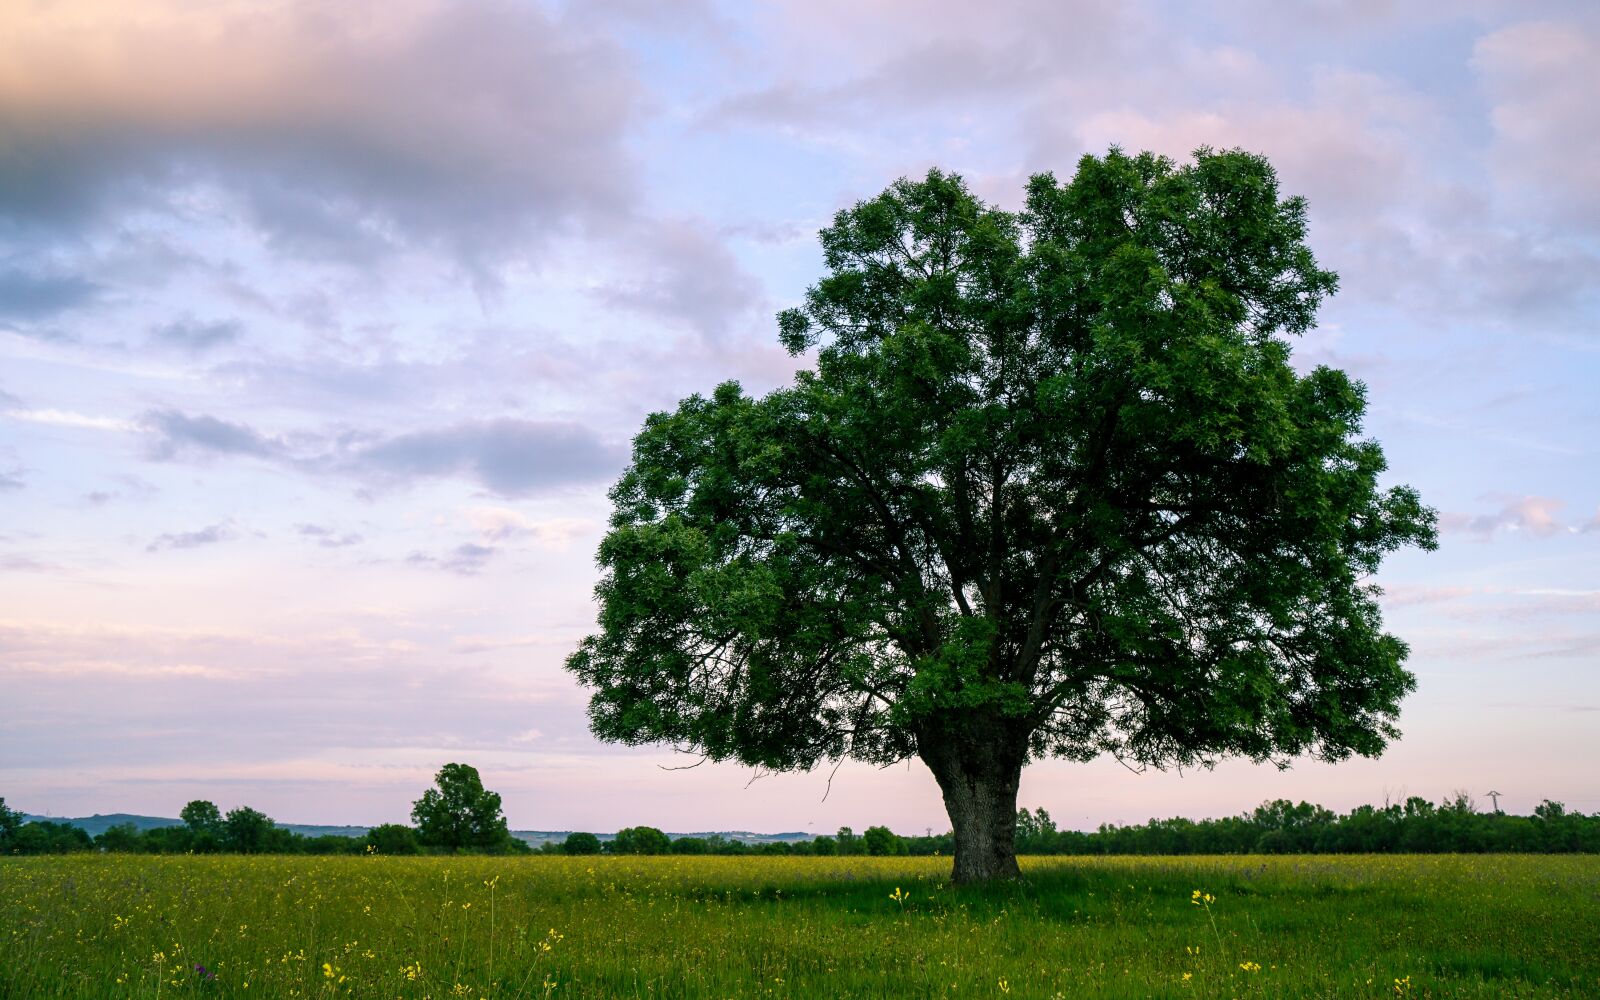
point(1418, 926)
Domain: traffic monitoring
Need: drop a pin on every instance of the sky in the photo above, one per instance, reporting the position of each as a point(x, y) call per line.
point(324, 329)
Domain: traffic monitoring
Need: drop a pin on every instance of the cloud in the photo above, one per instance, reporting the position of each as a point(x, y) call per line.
point(14, 563)
point(1537, 601)
point(1479, 603)
point(68, 418)
point(1540, 78)
point(685, 274)
point(905, 59)
point(493, 643)
point(132, 487)
point(210, 535)
point(327, 538)
point(174, 435)
point(1389, 161)
point(500, 524)
point(466, 559)
point(479, 128)
point(1527, 515)
point(697, 16)
point(497, 524)
point(29, 296)
point(507, 456)
point(1403, 595)
point(197, 337)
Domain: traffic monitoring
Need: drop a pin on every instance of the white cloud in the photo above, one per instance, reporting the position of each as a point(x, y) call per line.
point(67, 418)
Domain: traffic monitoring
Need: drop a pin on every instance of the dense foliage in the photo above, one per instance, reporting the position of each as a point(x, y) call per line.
point(1052, 488)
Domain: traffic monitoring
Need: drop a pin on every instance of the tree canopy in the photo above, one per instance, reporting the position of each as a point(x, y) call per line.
point(247, 830)
point(460, 813)
point(202, 816)
point(640, 840)
point(1052, 488)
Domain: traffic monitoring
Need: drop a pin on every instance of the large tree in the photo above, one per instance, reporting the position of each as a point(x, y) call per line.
point(1051, 489)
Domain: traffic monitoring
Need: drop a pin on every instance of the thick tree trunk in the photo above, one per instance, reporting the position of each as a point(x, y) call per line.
point(979, 781)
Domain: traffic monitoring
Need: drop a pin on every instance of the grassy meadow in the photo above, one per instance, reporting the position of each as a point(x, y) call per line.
point(1360, 926)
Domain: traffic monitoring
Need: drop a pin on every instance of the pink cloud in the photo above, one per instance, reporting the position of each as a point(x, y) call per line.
point(1542, 78)
point(411, 120)
point(1527, 515)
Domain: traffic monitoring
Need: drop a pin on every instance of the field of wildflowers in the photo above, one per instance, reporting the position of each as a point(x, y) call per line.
point(1369, 926)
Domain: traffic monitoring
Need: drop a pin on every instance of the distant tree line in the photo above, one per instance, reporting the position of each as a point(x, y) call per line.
point(457, 816)
point(1455, 826)
point(876, 840)
point(1415, 826)
point(457, 821)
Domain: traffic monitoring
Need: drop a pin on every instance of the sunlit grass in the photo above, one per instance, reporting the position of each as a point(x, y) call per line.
point(137, 926)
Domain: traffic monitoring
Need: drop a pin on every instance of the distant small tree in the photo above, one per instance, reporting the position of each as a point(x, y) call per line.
point(123, 838)
point(1416, 807)
point(824, 845)
point(848, 842)
point(691, 845)
point(393, 838)
point(640, 840)
point(581, 843)
point(247, 830)
point(10, 822)
point(460, 813)
point(1553, 827)
point(1550, 811)
point(1459, 801)
point(881, 840)
point(1035, 831)
point(202, 816)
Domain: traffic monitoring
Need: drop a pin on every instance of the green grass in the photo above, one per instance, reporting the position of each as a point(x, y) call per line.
point(1419, 926)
